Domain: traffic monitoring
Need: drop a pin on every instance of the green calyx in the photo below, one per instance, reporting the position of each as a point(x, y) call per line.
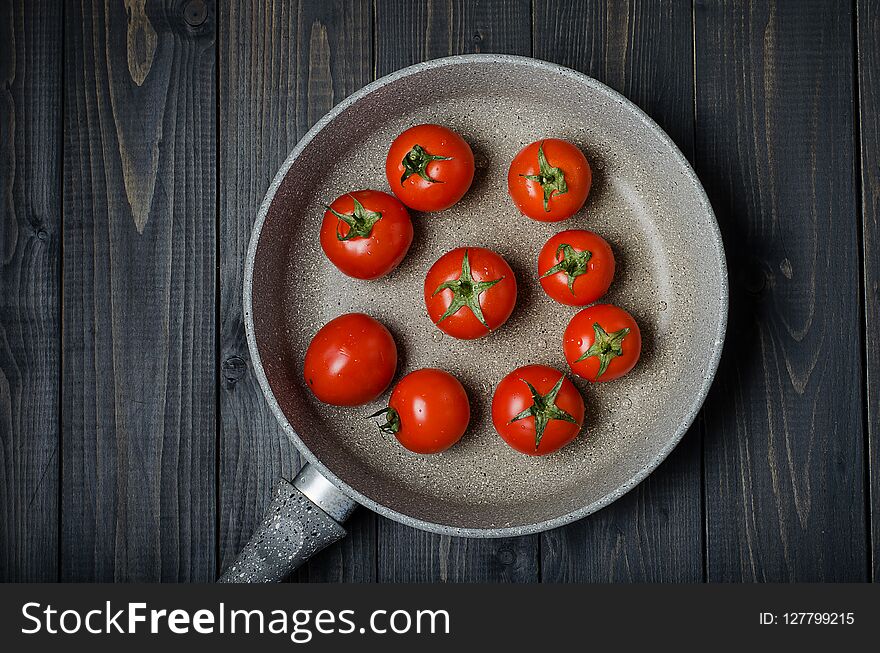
point(392, 420)
point(360, 222)
point(466, 292)
point(552, 179)
point(544, 409)
point(416, 163)
point(607, 346)
point(573, 263)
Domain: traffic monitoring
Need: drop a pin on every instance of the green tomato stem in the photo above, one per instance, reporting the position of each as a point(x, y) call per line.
point(544, 409)
point(416, 163)
point(551, 179)
point(573, 264)
point(466, 292)
point(606, 346)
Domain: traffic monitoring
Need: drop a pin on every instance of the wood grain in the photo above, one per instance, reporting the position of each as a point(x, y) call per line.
point(411, 31)
point(644, 50)
point(408, 32)
point(868, 62)
point(139, 284)
point(784, 467)
point(30, 238)
point(282, 67)
point(159, 115)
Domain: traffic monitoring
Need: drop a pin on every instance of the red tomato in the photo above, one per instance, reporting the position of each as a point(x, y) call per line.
point(428, 412)
point(366, 233)
point(469, 292)
point(576, 267)
point(536, 410)
point(350, 361)
point(429, 167)
point(602, 343)
point(549, 180)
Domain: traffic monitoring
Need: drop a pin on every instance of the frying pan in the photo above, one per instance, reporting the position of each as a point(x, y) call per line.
point(671, 275)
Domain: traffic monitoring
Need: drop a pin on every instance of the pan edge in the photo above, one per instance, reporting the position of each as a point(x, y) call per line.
point(506, 531)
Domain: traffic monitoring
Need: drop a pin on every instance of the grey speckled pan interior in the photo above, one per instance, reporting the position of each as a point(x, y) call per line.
point(646, 201)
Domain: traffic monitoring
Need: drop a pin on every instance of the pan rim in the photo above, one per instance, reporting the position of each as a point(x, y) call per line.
point(697, 400)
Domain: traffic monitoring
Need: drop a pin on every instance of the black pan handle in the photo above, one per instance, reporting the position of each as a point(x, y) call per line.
point(303, 518)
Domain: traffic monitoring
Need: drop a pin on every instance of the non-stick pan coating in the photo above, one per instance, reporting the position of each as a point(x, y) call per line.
point(645, 201)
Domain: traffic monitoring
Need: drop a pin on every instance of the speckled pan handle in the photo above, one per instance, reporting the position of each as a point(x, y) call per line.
point(303, 518)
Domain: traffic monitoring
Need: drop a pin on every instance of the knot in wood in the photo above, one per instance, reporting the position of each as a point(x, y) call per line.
point(195, 13)
point(234, 368)
point(506, 556)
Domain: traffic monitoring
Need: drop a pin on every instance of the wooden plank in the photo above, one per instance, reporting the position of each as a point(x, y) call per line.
point(868, 13)
point(644, 49)
point(30, 238)
point(408, 32)
point(784, 445)
point(411, 31)
point(282, 67)
point(139, 283)
point(407, 555)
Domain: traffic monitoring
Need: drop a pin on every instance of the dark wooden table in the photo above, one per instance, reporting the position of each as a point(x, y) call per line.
point(137, 140)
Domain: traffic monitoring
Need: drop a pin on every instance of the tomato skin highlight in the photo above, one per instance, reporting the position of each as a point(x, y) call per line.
point(433, 409)
point(587, 287)
point(497, 302)
point(452, 177)
point(580, 335)
point(377, 254)
point(528, 195)
point(350, 361)
point(512, 396)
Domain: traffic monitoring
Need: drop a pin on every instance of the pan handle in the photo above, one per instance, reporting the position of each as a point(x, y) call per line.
point(303, 518)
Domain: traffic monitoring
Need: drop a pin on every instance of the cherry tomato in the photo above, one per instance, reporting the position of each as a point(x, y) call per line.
point(350, 361)
point(549, 180)
point(536, 410)
point(366, 233)
point(429, 167)
point(469, 292)
point(602, 343)
point(428, 412)
point(576, 267)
